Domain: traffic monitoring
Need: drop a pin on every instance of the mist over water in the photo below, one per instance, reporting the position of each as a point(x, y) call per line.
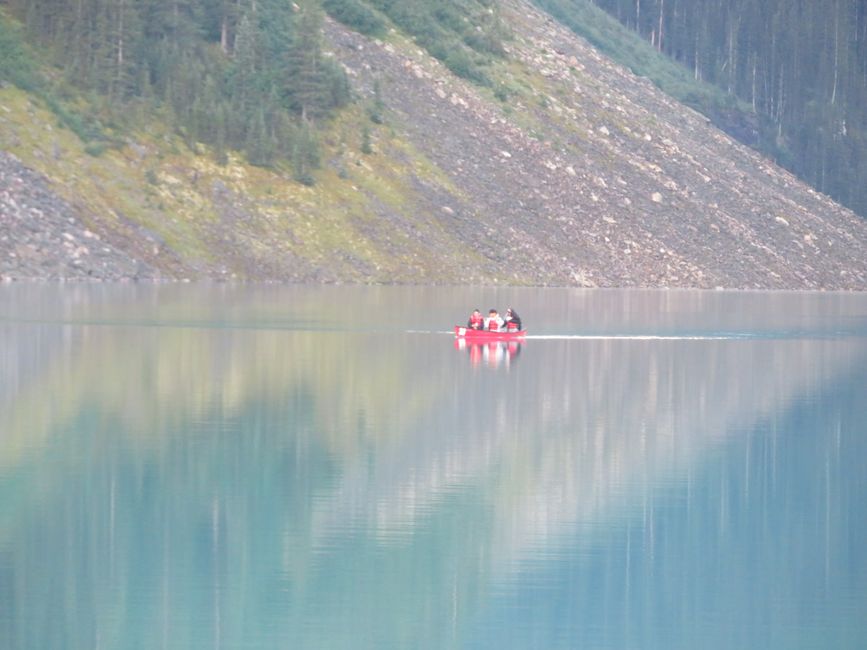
point(261, 467)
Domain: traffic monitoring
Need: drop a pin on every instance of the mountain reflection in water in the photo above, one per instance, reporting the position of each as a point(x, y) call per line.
point(325, 467)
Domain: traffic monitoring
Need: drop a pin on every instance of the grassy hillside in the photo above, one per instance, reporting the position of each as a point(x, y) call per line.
point(191, 207)
point(236, 218)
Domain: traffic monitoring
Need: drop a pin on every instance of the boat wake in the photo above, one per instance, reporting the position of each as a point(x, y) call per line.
point(640, 337)
point(686, 336)
point(618, 337)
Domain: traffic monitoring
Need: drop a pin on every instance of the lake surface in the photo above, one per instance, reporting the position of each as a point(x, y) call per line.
point(191, 466)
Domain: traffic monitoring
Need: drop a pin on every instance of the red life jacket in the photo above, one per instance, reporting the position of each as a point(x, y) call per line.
point(477, 322)
point(512, 326)
point(493, 325)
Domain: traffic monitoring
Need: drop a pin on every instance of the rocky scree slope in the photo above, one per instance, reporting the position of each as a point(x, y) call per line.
point(575, 172)
point(596, 178)
point(41, 235)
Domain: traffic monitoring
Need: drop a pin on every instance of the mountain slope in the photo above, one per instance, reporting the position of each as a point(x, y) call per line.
point(567, 170)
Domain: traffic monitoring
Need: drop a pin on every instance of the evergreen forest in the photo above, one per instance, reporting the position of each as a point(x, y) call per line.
point(248, 75)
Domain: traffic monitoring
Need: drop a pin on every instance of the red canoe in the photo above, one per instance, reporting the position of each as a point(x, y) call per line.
point(487, 335)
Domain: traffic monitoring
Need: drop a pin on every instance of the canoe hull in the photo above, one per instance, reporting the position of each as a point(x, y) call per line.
point(486, 335)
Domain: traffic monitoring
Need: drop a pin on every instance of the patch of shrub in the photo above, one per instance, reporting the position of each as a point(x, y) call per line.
point(366, 144)
point(502, 92)
point(355, 15)
point(87, 128)
point(460, 62)
point(452, 31)
point(95, 149)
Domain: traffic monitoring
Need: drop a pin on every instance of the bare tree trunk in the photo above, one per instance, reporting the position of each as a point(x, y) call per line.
point(120, 37)
point(780, 104)
point(79, 29)
point(836, 51)
point(732, 41)
point(755, 66)
point(116, 88)
point(661, 16)
point(224, 34)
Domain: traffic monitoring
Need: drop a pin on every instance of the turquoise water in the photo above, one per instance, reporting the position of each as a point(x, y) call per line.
point(277, 467)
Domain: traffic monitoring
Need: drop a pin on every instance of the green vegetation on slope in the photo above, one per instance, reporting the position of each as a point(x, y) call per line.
point(21, 66)
point(243, 75)
point(464, 34)
point(190, 216)
point(17, 64)
point(249, 76)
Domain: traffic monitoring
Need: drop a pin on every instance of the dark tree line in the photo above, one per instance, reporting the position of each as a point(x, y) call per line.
point(241, 74)
point(800, 64)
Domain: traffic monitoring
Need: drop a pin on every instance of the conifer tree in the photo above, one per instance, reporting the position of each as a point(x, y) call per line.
point(307, 87)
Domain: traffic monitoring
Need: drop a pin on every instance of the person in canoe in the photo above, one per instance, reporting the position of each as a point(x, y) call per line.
point(493, 322)
point(513, 321)
point(476, 321)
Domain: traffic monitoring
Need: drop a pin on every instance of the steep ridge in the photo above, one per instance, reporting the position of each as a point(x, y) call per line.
point(569, 171)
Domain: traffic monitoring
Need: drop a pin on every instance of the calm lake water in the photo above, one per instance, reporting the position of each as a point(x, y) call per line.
point(272, 467)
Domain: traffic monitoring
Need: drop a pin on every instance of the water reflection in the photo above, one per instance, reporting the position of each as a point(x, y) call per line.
point(492, 354)
point(188, 467)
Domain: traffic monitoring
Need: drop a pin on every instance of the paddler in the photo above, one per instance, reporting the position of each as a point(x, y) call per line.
point(476, 321)
point(513, 321)
point(493, 322)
